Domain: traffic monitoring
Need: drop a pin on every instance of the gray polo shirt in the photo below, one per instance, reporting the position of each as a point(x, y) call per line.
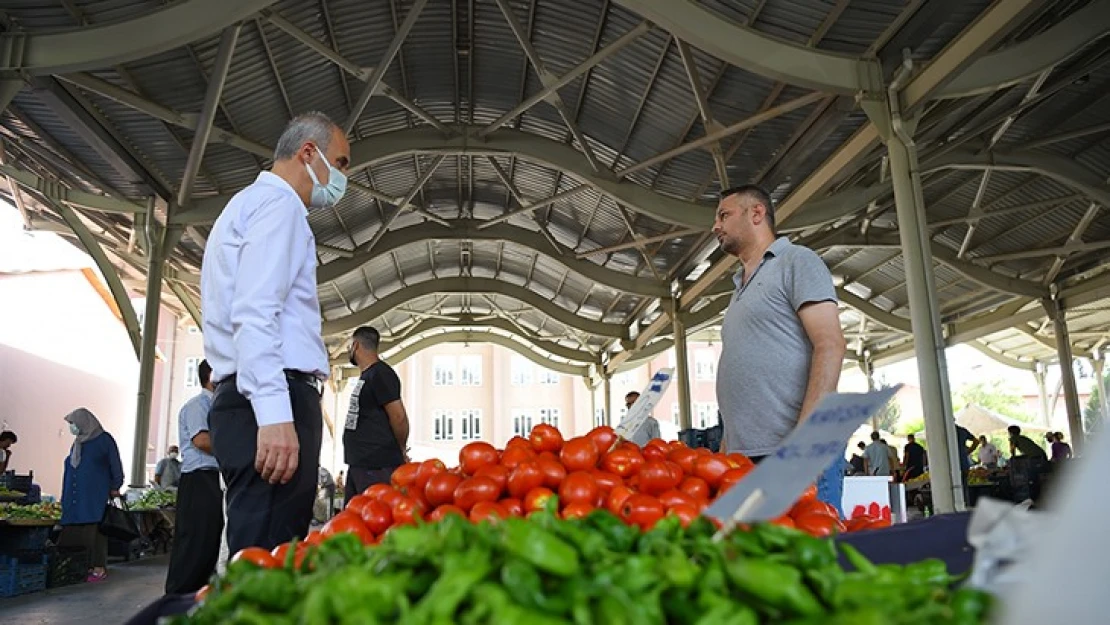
point(765, 352)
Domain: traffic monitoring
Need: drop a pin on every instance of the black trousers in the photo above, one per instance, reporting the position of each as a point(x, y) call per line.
point(199, 528)
point(260, 514)
point(359, 479)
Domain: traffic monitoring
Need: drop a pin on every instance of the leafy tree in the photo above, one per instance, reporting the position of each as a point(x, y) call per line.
point(996, 395)
point(888, 417)
point(1092, 413)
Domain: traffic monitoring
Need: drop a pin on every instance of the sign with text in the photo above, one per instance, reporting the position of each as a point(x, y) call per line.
point(641, 410)
point(777, 482)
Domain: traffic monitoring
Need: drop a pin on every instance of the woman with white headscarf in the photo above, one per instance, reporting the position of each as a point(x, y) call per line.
point(93, 473)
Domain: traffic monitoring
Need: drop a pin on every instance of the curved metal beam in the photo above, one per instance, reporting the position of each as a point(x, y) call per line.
point(469, 230)
point(999, 357)
point(551, 347)
point(756, 52)
point(485, 337)
point(873, 312)
point(97, 47)
point(1025, 60)
point(473, 285)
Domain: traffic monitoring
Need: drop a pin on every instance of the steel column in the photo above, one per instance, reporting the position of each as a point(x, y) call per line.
point(1100, 367)
point(1040, 374)
point(682, 369)
point(929, 340)
point(1067, 372)
point(155, 256)
point(867, 366)
point(608, 390)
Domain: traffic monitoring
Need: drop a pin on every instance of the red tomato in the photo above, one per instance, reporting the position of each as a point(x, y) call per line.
point(579, 487)
point(440, 489)
point(202, 594)
point(258, 557)
point(741, 460)
point(512, 458)
point(497, 473)
point(407, 511)
point(730, 478)
point(819, 525)
point(603, 437)
point(518, 441)
point(654, 453)
point(807, 507)
point(513, 506)
point(474, 456)
point(487, 510)
point(577, 510)
point(623, 462)
point(695, 487)
point(358, 503)
point(606, 481)
point(579, 454)
point(702, 451)
point(377, 516)
point(525, 477)
point(536, 499)
point(642, 511)
point(349, 523)
point(784, 521)
point(656, 477)
point(711, 469)
point(546, 437)
point(617, 497)
point(675, 497)
point(684, 457)
point(315, 538)
point(391, 497)
point(377, 490)
point(472, 490)
point(281, 552)
point(549, 455)
point(810, 493)
point(686, 513)
point(629, 445)
point(553, 472)
point(426, 470)
point(404, 475)
point(858, 523)
point(444, 510)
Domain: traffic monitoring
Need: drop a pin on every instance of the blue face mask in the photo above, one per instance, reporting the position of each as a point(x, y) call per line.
point(326, 196)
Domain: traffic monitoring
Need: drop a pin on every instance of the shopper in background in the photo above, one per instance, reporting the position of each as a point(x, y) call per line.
point(913, 459)
point(988, 453)
point(377, 429)
point(93, 474)
point(167, 473)
point(648, 430)
point(857, 460)
point(1021, 444)
point(876, 457)
point(7, 439)
point(782, 345)
point(895, 464)
point(200, 511)
point(1061, 451)
point(262, 335)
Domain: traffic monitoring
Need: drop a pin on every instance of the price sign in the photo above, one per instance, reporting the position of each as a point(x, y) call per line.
point(641, 410)
point(777, 482)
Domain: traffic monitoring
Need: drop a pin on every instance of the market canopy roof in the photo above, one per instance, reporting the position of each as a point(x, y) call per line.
point(552, 165)
point(979, 420)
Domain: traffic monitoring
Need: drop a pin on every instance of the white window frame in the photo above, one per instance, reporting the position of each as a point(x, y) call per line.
point(599, 417)
point(520, 371)
point(470, 370)
point(705, 365)
point(192, 367)
point(705, 415)
point(443, 425)
point(522, 421)
point(547, 377)
point(550, 416)
point(443, 370)
point(470, 424)
point(674, 412)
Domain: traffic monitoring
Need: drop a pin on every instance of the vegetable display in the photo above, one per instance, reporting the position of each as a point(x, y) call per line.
point(34, 512)
point(596, 569)
point(7, 493)
point(154, 499)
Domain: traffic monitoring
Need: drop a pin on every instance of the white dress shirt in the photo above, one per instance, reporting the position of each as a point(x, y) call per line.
point(258, 294)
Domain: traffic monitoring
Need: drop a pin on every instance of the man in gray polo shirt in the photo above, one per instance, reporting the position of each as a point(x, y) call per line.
point(782, 346)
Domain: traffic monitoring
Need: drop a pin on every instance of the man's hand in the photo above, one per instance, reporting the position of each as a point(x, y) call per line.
point(278, 453)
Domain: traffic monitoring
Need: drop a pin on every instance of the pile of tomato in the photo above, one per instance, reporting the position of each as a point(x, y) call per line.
point(639, 485)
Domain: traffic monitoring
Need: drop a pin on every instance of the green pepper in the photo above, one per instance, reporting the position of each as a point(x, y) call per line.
point(618, 535)
point(272, 589)
point(540, 548)
point(858, 560)
point(461, 573)
point(728, 614)
point(930, 572)
point(778, 585)
point(971, 604)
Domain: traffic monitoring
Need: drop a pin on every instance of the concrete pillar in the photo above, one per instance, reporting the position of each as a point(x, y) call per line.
point(1067, 372)
point(867, 366)
point(682, 370)
point(1099, 360)
point(608, 390)
point(929, 344)
point(593, 400)
point(155, 258)
point(1040, 372)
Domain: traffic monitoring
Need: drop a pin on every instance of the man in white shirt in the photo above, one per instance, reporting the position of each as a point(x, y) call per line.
point(988, 453)
point(262, 335)
point(876, 457)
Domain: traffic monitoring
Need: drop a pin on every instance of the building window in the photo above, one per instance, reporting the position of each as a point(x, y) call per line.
point(443, 371)
point(674, 412)
point(550, 416)
point(705, 365)
point(470, 424)
point(521, 371)
point(191, 377)
point(522, 422)
point(194, 330)
point(599, 417)
point(470, 370)
point(705, 415)
point(622, 412)
point(443, 422)
point(547, 376)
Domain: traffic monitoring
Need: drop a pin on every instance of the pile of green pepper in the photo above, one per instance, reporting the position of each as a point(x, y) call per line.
point(544, 570)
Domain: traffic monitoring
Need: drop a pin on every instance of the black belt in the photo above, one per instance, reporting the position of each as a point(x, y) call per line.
point(293, 376)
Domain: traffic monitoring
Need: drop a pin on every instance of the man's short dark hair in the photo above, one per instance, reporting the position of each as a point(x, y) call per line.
point(874, 436)
point(8, 435)
point(910, 436)
point(204, 372)
point(757, 193)
point(631, 393)
point(862, 445)
point(1013, 429)
point(368, 337)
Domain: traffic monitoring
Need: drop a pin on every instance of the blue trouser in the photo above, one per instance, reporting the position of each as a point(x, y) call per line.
point(830, 484)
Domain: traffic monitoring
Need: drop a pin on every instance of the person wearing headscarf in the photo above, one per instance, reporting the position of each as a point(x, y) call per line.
point(93, 474)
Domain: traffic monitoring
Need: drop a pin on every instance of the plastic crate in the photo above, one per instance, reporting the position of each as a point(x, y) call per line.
point(21, 483)
point(16, 538)
point(20, 578)
point(67, 565)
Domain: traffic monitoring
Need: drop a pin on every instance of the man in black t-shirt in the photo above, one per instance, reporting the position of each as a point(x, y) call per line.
point(377, 428)
point(913, 459)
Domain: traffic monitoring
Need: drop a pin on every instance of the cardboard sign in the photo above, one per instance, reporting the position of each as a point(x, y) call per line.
point(641, 410)
point(777, 482)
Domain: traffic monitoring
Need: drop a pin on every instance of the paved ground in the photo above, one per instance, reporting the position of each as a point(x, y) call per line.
point(129, 588)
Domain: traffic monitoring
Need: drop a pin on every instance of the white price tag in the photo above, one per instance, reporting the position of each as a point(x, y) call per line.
point(777, 482)
point(641, 410)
